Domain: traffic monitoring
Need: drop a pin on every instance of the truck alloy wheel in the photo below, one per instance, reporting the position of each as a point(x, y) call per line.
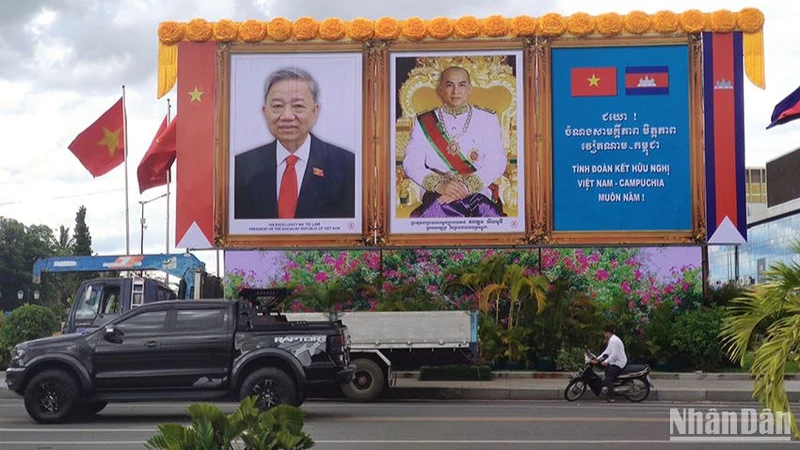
point(50, 396)
point(271, 387)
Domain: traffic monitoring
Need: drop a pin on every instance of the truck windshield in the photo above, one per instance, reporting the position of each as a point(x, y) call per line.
point(88, 303)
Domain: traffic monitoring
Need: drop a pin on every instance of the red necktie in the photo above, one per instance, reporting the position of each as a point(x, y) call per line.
point(287, 197)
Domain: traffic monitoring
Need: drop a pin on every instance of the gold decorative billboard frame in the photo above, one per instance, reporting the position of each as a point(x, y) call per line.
point(222, 165)
point(534, 36)
point(544, 232)
point(385, 121)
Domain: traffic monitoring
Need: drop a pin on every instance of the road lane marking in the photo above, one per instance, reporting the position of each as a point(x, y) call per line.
point(408, 442)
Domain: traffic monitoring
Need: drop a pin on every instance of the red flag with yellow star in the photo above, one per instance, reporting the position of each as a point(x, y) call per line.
point(101, 146)
point(154, 168)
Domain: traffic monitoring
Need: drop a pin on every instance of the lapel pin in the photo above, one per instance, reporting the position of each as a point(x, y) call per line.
point(318, 172)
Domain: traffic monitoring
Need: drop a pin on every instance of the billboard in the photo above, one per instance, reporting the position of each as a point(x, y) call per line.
point(782, 185)
point(496, 131)
point(621, 147)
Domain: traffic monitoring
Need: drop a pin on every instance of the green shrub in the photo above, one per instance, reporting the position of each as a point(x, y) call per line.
point(569, 359)
point(695, 335)
point(29, 322)
point(280, 428)
point(659, 333)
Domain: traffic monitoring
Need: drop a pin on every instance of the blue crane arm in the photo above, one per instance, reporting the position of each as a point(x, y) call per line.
point(182, 265)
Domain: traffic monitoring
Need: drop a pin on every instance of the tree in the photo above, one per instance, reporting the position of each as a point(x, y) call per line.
point(20, 247)
point(82, 237)
point(771, 309)
point(65, 243)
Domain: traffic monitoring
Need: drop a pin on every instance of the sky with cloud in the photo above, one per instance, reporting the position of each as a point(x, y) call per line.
point(66, 60)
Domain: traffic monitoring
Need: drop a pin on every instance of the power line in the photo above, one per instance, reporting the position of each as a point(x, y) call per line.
point(61, 197)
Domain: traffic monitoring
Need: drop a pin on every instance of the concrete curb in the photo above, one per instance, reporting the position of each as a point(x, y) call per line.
point(682, 376)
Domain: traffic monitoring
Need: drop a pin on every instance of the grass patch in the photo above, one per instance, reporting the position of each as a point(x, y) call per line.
point(455, 373)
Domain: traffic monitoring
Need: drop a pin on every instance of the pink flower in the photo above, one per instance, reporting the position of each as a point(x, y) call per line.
point(602, 275)
point(631, 306)
point(321, 277)
point(626, 287)
point(613, 263)
point(387, 286)
point(669, 289)
point(685, 285)
point(678, 302)
point(458, 256)
point(645, 300)
point(287, 277)
point(637, 274)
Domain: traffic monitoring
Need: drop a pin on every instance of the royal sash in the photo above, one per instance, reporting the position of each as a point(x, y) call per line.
point(439, 140)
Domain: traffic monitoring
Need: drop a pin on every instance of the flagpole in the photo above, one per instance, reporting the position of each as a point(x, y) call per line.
point(125, 155)
point(169, 175)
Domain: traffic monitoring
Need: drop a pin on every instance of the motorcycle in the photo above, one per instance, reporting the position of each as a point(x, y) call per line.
point(633, 383)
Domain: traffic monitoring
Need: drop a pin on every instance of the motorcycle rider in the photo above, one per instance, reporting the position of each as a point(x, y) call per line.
point(613, 359)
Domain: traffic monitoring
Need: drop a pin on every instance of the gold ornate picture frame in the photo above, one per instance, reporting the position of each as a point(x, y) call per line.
point(306, 235)
point(544, 232)
point(497, 88)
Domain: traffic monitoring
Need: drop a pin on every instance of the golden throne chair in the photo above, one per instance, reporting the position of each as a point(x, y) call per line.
point(493, 87)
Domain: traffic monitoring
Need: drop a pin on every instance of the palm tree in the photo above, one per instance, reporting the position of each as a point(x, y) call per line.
point(519, 286)
point(65, 242)
point(475, 279)
point(773, 310)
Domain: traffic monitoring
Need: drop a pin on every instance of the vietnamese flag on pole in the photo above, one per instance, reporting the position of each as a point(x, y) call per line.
point(101, 147)
point(155, 164)
point(594, 81)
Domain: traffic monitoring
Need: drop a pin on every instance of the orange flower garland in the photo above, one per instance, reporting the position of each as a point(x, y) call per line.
point(199, 30)
point(226, 30)
point(748, 20)
point(665, 22)
point(467, 27)
point(609, 24)
point(387, 28)
point(305, 29)
point(524, 26)
point(332, 29)
point(360, 29)
point(494, 26)
point(279, 29)
point(413, 29)
point(693, 21)
point(637, 22)
point(751, 20)
point(252, 30)
point(440, 28)
point(580, 24)
point(552, 24)
point(723, 21)
point(170, 33)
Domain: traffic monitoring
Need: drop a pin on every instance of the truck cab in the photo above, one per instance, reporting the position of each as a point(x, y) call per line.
point(99, 300)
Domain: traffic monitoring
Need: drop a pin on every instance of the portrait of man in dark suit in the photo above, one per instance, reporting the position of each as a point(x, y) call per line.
point(297, 175)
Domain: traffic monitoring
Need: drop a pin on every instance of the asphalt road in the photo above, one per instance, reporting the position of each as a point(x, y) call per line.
point(393, 426)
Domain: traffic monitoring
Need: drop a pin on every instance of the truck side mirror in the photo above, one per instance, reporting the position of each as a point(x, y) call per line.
point(113, 334)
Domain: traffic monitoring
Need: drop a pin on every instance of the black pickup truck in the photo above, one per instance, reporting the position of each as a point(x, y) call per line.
point(181, 350)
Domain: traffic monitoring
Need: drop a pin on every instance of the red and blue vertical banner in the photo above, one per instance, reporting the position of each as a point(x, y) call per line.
point(723, 96)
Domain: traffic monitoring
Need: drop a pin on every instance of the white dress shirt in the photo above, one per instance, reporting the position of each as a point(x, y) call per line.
point(615, 352)
point(302, 154)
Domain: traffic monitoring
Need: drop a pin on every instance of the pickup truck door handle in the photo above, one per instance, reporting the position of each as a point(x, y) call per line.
point(151, 344)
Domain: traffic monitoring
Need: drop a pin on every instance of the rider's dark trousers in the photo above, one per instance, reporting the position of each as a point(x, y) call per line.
point(612, 372)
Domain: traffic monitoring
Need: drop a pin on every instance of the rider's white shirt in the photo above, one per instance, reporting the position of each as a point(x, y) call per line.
point(616, 352)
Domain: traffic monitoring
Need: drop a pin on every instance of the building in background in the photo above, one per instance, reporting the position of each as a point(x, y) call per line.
point(773, 224)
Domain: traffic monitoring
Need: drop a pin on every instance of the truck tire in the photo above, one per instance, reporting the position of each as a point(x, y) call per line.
point(271, 386)
point(368, 383)
point(50, 396)
point(90, 408)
